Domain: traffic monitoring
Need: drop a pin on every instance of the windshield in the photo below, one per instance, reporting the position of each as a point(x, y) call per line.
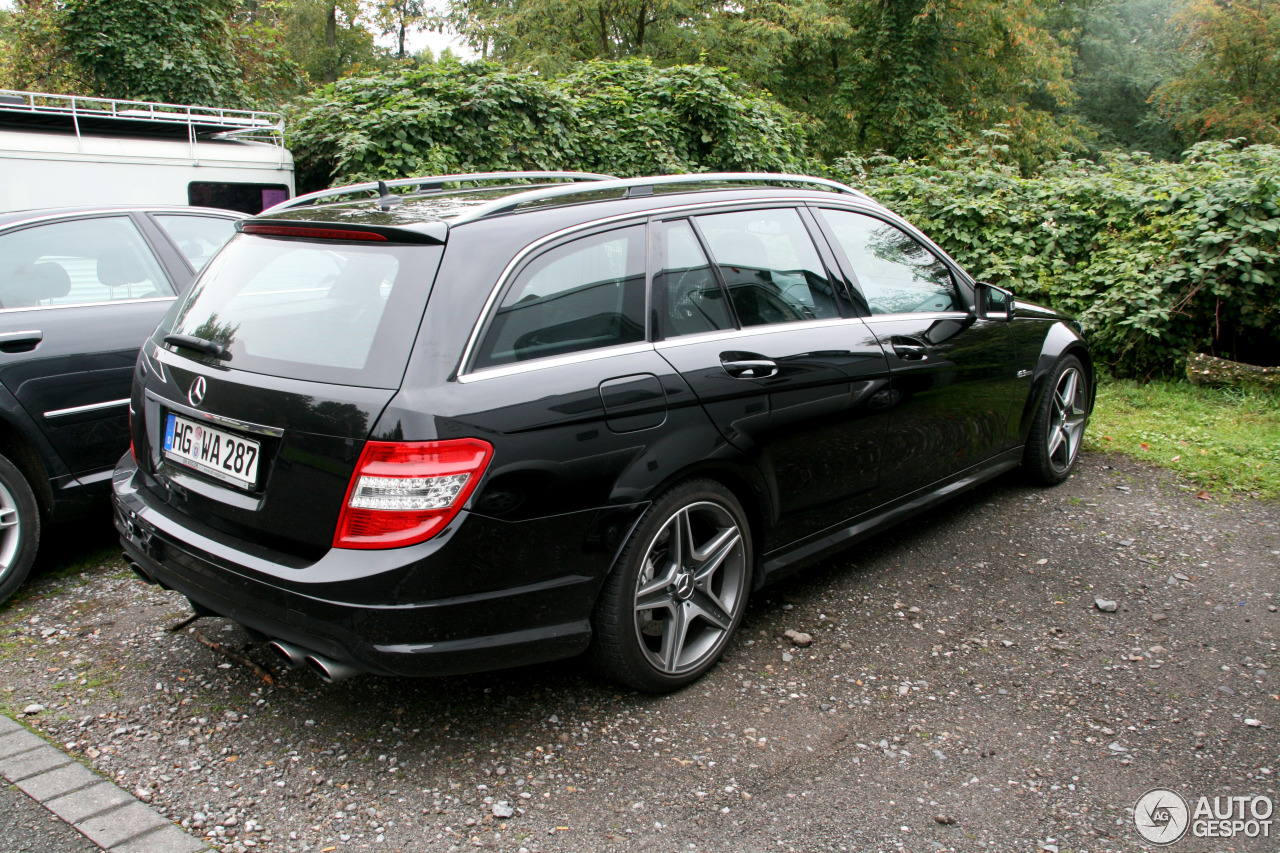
point(342, 313)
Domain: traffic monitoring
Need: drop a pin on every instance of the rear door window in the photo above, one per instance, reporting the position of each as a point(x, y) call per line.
point(343, 313)
point(770, 266)
point(693, 301)
point(583, 295)
point(79, 262)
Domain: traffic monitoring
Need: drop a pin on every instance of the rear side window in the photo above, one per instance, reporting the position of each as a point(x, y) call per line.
point(344, 313)
point(583, 295)
point(896, 273)
point(198, 237)
point(82, 261)
point(770, 266)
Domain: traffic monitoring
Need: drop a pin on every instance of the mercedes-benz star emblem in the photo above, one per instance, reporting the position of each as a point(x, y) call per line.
point(196, 394)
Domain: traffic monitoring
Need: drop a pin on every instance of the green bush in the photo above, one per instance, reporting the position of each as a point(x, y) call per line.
point(1156, 259)
point(623, 118)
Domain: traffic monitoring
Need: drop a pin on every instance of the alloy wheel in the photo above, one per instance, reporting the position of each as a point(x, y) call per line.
point(1067, 415)
point(10, 531)
point(690, 588)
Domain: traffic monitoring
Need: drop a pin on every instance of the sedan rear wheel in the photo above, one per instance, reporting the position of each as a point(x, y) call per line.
point(679, 591)
point(1058, 430)
point(19, 528)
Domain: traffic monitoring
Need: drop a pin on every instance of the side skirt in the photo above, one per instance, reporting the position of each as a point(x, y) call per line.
point(784, 561)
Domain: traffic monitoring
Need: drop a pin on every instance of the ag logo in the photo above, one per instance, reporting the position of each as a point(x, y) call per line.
point(196, 394)
point(1161, 816)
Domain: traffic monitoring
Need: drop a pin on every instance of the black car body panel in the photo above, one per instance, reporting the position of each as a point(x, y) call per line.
point(827, 416)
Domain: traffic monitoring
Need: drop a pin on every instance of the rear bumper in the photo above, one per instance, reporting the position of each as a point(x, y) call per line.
point(369, 610)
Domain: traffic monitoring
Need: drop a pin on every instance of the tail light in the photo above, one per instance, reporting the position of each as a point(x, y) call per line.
point(132, 450)
point(405, 492)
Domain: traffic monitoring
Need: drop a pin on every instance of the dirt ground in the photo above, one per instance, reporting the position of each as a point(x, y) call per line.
point(963, 692)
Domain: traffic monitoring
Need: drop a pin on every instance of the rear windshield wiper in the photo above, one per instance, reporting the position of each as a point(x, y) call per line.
point(199, 345)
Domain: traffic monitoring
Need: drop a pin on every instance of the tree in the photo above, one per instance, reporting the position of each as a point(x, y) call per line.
point(907, 76)
point(32, 53)
point(179, 51)
point(1124, 50)
point(551, 35)
point(1232, 87)
point(399, 17)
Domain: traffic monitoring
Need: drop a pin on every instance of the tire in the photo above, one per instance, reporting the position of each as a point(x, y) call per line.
point(19, 528)
point(699, 593)
point(1058, 429)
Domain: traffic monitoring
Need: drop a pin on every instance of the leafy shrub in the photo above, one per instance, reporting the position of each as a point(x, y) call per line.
point(1156, 259)
point(623, 118)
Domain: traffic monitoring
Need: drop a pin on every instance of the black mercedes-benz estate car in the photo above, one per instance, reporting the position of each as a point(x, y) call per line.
point(482, 421)
point(80, 290)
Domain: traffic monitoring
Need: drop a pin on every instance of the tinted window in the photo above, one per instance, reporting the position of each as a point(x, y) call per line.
point(197, 237)
point(770, 266)
point(76, 262)
point(579, 296)
point(693, 300)
point(896, 272)
point(345, 313)
point(246, 198)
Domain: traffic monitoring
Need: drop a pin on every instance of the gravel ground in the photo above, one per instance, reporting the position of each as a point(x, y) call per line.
point(962, 691)
point(28, 827)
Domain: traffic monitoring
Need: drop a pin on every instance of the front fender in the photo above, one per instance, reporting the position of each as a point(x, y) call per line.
point(1060, 339)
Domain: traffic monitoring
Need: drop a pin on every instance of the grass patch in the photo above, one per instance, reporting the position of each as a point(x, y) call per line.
point(1224, 441)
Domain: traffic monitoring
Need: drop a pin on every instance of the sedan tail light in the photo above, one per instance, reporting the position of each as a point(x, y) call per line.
point(405, 492)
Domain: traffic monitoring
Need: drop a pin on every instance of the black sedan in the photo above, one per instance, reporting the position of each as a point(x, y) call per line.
point(80, 289)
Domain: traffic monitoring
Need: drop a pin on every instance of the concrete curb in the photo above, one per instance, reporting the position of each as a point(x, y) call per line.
point(104, 813)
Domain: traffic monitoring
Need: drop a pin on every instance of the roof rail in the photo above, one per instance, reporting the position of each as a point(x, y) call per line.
point(510, 203)
point(428, 183)
point(252, 125)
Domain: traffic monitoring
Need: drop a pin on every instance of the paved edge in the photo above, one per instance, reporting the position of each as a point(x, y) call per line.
point(103, 812)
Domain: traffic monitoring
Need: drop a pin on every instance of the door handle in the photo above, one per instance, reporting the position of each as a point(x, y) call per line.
point(20, 341)
point(747, 365)
point(909, 349)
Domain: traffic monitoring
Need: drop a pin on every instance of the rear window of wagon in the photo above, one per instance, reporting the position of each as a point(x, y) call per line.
point(341, 313)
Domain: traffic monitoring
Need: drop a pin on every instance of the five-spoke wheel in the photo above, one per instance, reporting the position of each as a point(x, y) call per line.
point(678, 592)
point(1058, 429)
point(1067, 415)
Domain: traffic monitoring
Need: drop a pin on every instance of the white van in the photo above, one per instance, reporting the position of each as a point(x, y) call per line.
point(62, 150)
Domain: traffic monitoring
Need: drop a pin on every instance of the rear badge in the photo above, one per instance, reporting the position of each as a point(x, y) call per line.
point(196, 394)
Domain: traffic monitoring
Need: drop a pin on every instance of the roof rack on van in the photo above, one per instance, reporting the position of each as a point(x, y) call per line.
point(44, 110)
point(634, 187)
point(432, 183)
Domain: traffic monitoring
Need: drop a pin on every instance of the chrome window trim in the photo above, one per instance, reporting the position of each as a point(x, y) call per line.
point(555, 361)
point(755, 331)
point(916, 315)
point(91, 304)
point(92, 407)
point(465, 371)
point(222, 420)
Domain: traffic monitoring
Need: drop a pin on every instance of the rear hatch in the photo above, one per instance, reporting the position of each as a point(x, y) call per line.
point(259, 389)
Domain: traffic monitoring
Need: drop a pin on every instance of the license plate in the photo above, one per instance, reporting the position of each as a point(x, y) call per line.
point(230, 458)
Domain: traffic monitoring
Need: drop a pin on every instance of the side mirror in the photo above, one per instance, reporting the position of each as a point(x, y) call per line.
point(992, 303)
